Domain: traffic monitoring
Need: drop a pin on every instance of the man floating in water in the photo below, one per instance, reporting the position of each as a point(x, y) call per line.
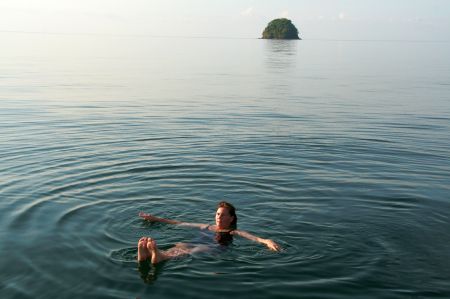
point(224, 229)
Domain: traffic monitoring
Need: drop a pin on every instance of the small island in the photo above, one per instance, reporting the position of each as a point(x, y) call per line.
point(280, 29)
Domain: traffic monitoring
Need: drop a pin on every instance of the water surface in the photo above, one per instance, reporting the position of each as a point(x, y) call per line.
point(337, 150)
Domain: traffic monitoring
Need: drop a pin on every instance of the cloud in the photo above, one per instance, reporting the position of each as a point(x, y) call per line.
point(247, 12)
point(284, 14)
point(341, 16)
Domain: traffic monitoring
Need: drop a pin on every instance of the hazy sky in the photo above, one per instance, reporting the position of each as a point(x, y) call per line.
point(315, 19)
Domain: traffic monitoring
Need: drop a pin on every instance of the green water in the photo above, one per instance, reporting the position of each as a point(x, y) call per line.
point(336, 150)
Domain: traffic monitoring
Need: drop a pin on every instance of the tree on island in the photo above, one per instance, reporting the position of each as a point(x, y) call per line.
point(280, 29)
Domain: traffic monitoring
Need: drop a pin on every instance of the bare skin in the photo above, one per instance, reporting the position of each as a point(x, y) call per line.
point(148, 249)
point(157, 255)
point(143, 252)
point(224, 222)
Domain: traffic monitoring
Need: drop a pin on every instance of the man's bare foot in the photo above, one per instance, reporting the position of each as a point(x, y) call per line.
point(157, 255)
point(143, 252)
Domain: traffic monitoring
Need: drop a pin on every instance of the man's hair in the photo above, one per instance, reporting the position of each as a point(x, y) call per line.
point(231, 210)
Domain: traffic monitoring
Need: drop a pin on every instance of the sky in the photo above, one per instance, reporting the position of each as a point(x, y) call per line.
point(316, 19)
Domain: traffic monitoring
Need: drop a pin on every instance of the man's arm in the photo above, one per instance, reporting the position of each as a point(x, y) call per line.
point(269, 243)
point(152, 218)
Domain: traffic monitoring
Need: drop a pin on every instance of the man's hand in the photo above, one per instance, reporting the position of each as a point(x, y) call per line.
point(272, 245)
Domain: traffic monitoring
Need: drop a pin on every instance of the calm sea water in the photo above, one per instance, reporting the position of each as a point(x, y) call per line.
point(338, 150)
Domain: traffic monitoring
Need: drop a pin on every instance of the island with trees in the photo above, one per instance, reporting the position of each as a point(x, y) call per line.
point(280, 29)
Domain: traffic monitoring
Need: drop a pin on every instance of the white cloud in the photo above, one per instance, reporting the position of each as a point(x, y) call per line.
point(341, 16)
point(247, 12)
point(284, 14)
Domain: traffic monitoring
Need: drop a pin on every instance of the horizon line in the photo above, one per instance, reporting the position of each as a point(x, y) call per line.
point(213, 37)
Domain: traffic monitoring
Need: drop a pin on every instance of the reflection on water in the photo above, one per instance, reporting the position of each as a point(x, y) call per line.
point(281, 55)
point(149, 273)
point(280, 60)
